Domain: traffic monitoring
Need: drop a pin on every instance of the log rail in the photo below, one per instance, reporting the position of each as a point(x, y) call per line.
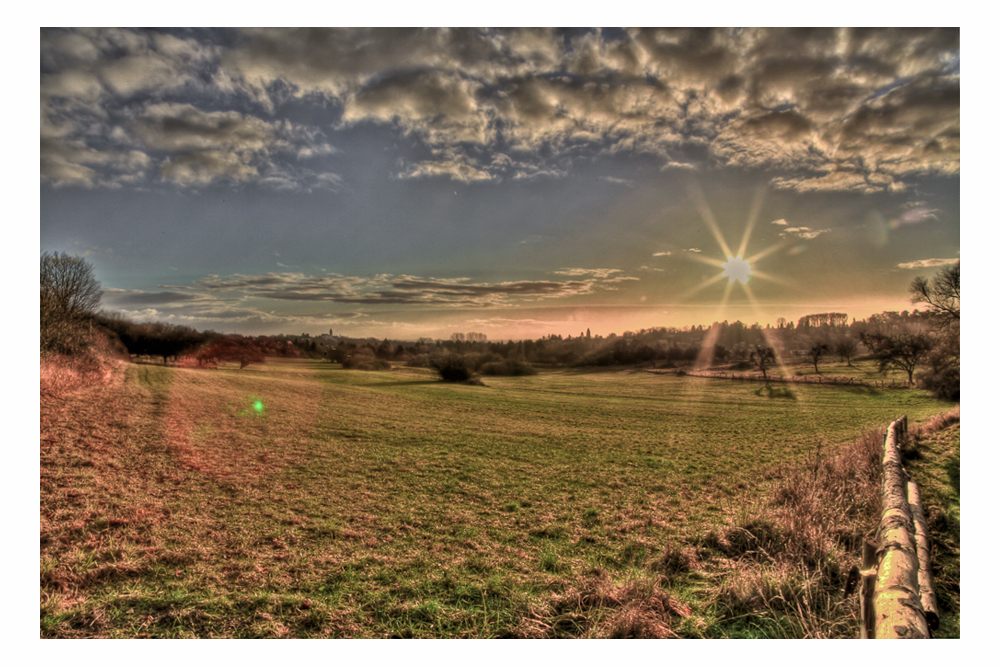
point(897, 598)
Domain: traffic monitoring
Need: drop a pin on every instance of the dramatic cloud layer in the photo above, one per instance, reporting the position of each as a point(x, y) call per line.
point(824, 109)
point(214, 295)
point(412, 182)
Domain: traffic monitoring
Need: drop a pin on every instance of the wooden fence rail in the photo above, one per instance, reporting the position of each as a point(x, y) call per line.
point(897, 599)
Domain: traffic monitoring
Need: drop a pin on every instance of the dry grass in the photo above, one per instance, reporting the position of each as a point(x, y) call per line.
point(595, 606)
point(61, 375)
point(786, 559)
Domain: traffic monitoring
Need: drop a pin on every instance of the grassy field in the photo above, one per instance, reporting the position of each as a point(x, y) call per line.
point(934, 462)
point(299, 499)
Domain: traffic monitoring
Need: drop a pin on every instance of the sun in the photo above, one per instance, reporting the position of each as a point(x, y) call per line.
point(737, 269)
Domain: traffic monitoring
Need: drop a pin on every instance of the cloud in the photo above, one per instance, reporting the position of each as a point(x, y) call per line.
point(595, 272)
point(176, 128)
point(803, 232)
point(662, 254)
point(830, 109)
point(69, 162)
point(381, 289)
point(914, 214)
point(204, 167)
point(928, 263)
point(693, 249)
point(454, 170)
point(121, 298)
point(782, 222)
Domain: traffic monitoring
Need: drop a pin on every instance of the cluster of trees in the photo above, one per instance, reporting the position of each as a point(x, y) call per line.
point(155, 339)
point(244, 350)
point(471, 337)
point(925, 344)
point(935, 347)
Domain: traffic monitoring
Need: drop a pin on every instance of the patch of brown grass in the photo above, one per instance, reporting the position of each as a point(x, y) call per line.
point(61, 375)
point(213, 428)
point(936, 423)
point(596, 606)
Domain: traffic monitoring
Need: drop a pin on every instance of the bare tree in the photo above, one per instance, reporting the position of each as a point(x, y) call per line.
point(941, 295)
point(816, 352)
point(904, 351)
point(68, 294)
point(762, 357)
point(846, 347)
point(68, 285)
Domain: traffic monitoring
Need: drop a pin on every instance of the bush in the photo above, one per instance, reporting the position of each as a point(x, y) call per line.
point(944, 383)
point(419, 361)
point(452, 367)
point(364, 359)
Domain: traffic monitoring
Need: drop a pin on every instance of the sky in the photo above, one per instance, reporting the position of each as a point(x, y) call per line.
point(406, 183)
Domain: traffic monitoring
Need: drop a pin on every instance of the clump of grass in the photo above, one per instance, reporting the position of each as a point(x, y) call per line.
point(553, 531)
point(676, 561)
point(596, 606)
point(782, 600)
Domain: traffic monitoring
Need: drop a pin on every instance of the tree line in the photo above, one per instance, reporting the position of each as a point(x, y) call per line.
point(925, 344)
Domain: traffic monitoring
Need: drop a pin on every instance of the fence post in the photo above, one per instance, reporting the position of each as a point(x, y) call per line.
point(868, 575)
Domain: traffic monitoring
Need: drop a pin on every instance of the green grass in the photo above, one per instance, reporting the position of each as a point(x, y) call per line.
point(378, 504)
point(935, 466)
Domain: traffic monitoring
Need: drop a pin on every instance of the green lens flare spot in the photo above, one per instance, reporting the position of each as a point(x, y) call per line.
point(258, 406)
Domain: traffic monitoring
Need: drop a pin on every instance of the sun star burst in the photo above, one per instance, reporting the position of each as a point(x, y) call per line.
point(737, 269)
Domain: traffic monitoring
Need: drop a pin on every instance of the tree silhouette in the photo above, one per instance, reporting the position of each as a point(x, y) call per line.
point(816, 352)
point(762, 357)
point(904, 351)
point(941, 295)
point(846, 347)
point(233, 348)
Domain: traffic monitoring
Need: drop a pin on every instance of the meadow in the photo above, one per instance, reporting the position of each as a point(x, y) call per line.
point(299, 499)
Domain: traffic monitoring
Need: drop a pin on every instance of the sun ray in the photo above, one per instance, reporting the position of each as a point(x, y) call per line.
point(707, 283)
point(768, 335)
point(777, 280)
point(767, 252)
point(706, 352)
point(758, 203)
point(707, 217)
point(714, 263)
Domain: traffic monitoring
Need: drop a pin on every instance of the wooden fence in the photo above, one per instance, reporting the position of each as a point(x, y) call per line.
point(897, 598)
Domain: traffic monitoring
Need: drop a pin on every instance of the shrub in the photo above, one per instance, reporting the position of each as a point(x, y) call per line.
point(364, 359)
point(419, 361)
point(452, 367)
point(944, 383)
